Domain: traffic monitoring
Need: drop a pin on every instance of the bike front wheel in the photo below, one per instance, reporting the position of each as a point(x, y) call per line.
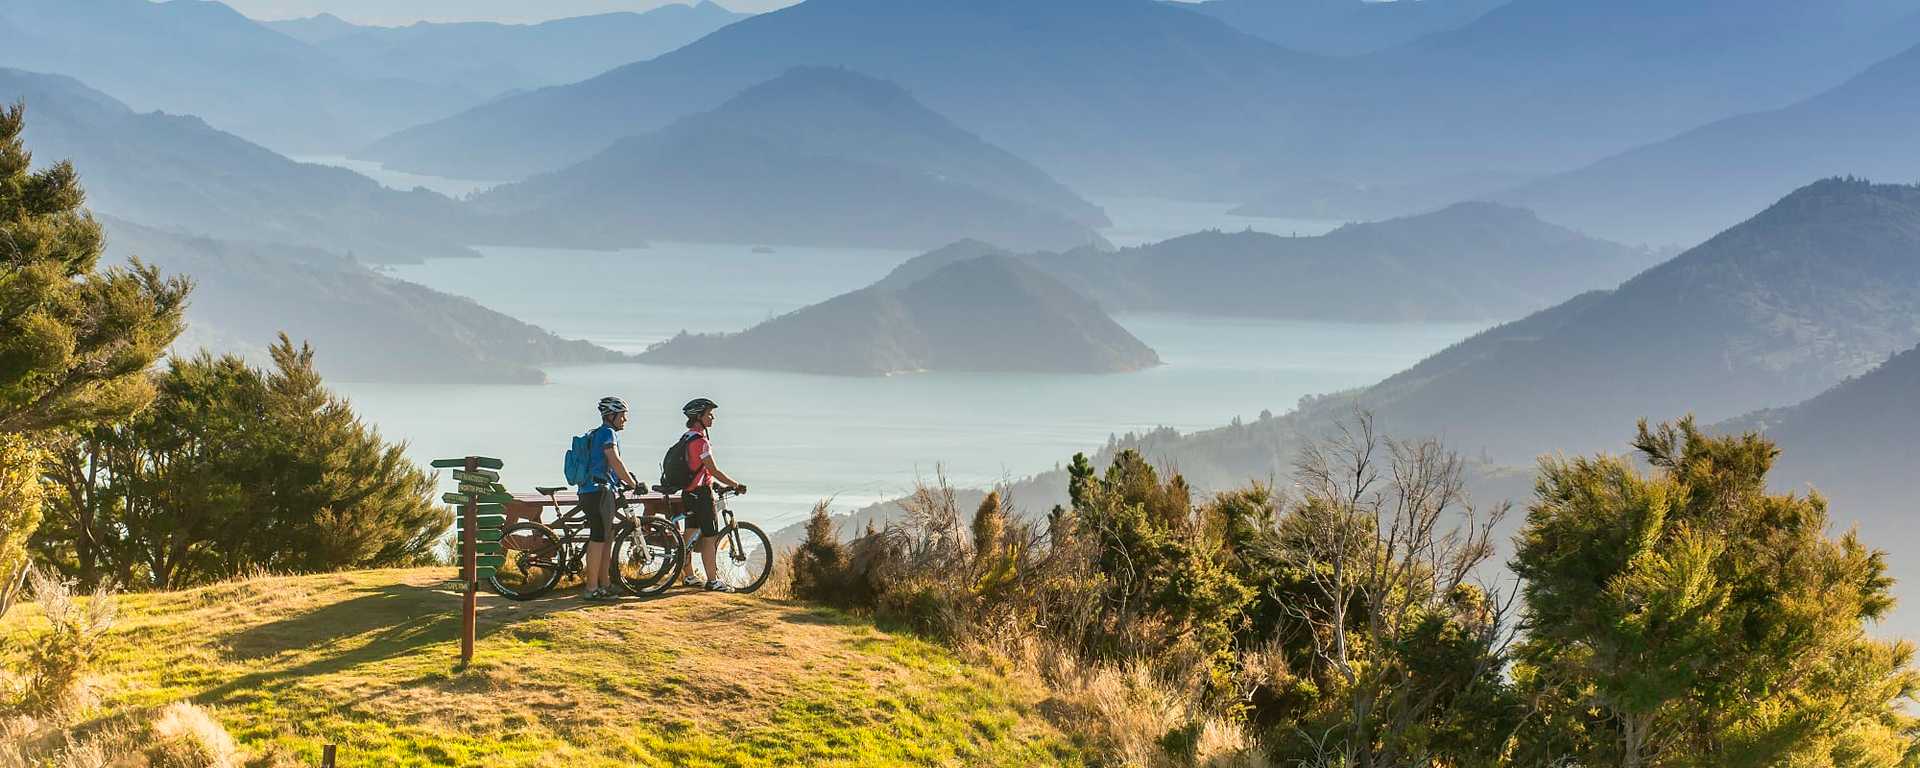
point(647, 556)
point(745, 557)
point(533, 562)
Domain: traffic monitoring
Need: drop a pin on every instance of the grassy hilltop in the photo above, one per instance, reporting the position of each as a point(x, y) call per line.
point(366, 660)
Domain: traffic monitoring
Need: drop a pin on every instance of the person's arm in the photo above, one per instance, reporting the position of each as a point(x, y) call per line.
point(717, 474)
point(619, 469)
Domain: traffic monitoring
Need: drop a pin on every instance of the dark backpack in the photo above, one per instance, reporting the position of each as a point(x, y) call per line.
point(675, 471)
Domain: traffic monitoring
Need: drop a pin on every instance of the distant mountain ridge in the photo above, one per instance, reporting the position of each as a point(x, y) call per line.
point(1466, 262)
point(1704, 179)
point(989, 313)
point(816, 156)
point(1198, 108)
point(486, 58)
point(366, 326)
point(204, 58)
point(179, 173)
point(1344, 27)
point(1068, 84)
point(1822, 285)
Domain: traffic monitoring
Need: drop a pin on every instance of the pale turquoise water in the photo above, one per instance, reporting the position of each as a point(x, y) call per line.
point(797, 438)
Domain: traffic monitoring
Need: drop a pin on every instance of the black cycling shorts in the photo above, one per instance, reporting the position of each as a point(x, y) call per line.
point(599, 508)
point(700, 512)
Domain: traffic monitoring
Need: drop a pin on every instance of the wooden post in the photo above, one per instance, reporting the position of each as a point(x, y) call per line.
point(326, 756)
point(468, 536)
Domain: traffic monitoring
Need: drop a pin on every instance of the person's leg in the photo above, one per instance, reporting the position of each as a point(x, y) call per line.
point(594, 580)
point(709, 547)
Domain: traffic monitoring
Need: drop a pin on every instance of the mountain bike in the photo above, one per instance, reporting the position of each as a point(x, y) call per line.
point(646, 557)
point(745, 555)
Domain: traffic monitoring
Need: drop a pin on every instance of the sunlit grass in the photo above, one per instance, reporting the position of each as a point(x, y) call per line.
point(367, 660)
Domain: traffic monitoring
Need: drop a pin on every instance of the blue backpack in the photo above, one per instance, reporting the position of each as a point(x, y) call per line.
point(576, 462)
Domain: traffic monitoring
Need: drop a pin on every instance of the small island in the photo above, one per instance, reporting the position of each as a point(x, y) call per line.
point(987, 313)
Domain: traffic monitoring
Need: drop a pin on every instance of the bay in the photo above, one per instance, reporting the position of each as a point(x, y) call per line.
point(798, 438)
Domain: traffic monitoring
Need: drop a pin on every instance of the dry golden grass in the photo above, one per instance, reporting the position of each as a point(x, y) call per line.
point(366, 660)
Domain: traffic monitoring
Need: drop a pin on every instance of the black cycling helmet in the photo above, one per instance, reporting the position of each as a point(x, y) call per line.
point(697, 406)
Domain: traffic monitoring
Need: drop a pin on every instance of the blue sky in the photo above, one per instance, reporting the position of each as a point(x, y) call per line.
point(391, 12)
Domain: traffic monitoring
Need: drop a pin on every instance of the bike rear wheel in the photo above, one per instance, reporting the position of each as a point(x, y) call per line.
point(745, 557)
point(647, 556)
point(533, 562)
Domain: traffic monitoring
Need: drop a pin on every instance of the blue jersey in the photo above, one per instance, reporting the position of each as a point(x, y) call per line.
point(599, 475)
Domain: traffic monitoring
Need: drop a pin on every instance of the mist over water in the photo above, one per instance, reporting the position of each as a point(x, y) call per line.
point(797, 438)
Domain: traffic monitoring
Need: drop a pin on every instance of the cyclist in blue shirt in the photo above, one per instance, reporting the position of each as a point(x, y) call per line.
point(599, 496)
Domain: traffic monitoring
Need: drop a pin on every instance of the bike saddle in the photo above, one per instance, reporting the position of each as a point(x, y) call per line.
point(548, 490)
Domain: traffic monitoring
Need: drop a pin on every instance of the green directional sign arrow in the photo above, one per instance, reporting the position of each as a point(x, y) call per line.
point(476, 476)
point(482, 573)
point(455, 498)
point(472, 488)
point(489, 548)
point(496, 497)
point(482, 522)
point(487, 534)
point(461, 463)
point(490, 561)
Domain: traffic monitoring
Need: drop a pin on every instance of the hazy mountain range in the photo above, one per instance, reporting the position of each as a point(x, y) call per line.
point(364, 326)
point(1134, 95)
point(1821, 286)
point(205, 59)
point(1854, 443)
point(180, 174)
point(1467, 262)
point(986, 313)
point(1085, 88)
point(486, 59)
point(1544, 85)
point(815, 156)
point(1345, 27)
point(1708, 178)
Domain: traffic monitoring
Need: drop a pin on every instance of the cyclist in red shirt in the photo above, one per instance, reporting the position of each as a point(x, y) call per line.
point(703, 522)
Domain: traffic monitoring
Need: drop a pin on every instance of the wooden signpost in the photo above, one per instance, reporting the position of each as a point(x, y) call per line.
point(482, 513)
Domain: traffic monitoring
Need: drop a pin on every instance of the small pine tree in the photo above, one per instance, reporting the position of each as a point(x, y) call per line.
point(820, 560)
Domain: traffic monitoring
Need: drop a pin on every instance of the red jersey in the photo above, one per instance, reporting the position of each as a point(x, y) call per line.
point(699, 449)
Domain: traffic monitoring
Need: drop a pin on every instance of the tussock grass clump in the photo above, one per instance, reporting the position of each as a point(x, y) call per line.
point(185, 736)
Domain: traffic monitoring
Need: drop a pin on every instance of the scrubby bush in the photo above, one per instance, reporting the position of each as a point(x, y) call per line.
point(51, 677)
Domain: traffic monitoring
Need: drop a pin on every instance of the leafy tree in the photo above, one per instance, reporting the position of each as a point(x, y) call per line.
point(75, 342)
point(20, 494)
point(234, 469)
point(1369, 587)
point(1690, 618)
point(1160, 581)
